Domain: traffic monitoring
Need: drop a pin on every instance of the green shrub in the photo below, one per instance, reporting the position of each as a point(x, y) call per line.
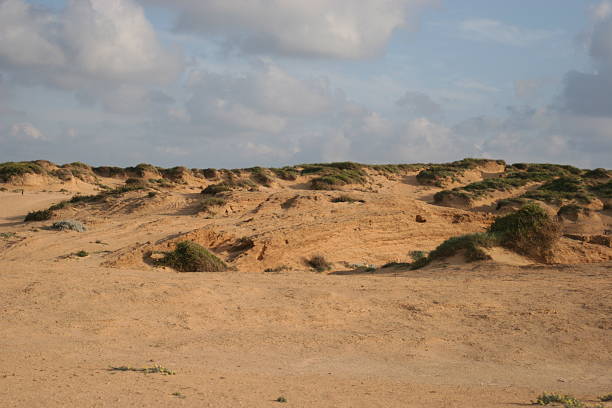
point(319, 263)
point(529, 231)
point(560, 190)
point(210, 202)
point(109, 171)
point(42, 215)
point(472, 244)
point(603, 190)
point(596, 174)
point(607, 397)
point(260, 176)
point(69, 225)
point(191, 257)
point(346, 199)
point(215, 189)
point(566, 400)
point(286, 173)
point(82, 254)
point(10, 169)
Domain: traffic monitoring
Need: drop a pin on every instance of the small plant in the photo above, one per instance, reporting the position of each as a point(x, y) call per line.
point(210, 202)
point(566, 400)
point(82, 254)
point(278, 269)
point(7, 235)
point(396, 265)
point(179, 395)
point(191, 257)
point(156, 369)
point(215, 189)
point(319, 263)
point(281, 399)
point(69, 225)
point(607, 397)
point(346, 199)
point(42, 215)
point(152, 194)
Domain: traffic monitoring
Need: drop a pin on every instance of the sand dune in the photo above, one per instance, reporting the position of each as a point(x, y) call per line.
point(453, 334)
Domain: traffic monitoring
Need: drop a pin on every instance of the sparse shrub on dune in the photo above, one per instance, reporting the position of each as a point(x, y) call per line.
point(529, 231)
point(560, 190)
point(603, 190)
point(598, 173)
point(10, 169)
point(344, 198)
point(69, 225)
point(191, 257)
point(260, 176)
point(318, 263)
point(211, 202)
point(215, 189)
point(42, 215)
point(286, 173)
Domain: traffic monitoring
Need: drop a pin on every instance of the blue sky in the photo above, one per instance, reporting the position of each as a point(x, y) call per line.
point(237, 83)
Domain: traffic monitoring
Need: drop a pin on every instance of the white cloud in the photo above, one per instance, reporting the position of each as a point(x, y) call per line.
point(26, 131)
point(499, 32)
point(93, 47)
point(330, 28)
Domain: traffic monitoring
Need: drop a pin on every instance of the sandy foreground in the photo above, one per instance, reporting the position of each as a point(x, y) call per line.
point(465, 335)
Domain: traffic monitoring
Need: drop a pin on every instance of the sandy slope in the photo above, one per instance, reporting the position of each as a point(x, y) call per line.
point(451, 335)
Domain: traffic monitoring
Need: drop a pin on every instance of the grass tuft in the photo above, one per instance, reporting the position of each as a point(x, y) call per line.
point(42, 215)
point(318, 263)
point(191, 257)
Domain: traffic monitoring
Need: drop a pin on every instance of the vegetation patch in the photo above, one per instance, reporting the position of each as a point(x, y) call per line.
point(286, 173)
point(82, 254)
point(333, 175)
point(561, 190)
point(191, 257)
point(260, 176)
point(10, 169)
point(318, 263)
point(7, 235)
point(603, 190)
point(596, 174)
point(42, 215)
point(211, 202)
point(344, 198)
point(438, 174)
point(566, 400)
point(529, 231)
point(69, 225)
point(156, 369)
point(573, 211)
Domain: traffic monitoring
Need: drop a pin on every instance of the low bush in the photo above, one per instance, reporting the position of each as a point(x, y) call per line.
point(286, 173)
point(529, 231)
point(82, 254)
point(215, 189)
point(560, 190)
point(596, 174)
point(603, 190)
point(346, 199)
point(260, 176)
point(10, 169)
point(191, 257)
point(69, 225)
point(42, 215)
point(319, 263)
point(210, 202)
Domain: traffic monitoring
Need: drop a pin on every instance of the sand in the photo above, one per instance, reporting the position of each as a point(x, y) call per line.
point(455, 334)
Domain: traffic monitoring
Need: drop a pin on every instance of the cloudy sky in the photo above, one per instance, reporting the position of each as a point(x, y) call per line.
point(238, 83)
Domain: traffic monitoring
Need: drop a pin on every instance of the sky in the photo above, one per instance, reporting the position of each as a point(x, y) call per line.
point(240, 83)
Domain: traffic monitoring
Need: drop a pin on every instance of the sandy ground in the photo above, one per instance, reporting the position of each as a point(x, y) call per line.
point(451, 335)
